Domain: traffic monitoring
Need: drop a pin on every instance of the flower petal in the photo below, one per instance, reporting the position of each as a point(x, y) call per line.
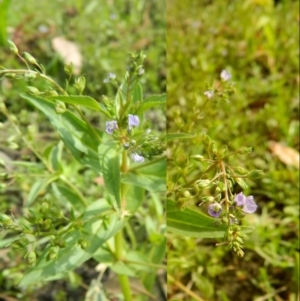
point(214, 210)
point(240, 199)
point(250, 206)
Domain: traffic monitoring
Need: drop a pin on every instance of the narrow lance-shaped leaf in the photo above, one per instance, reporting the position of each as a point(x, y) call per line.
point(85, 101)
point(110, 168)
point(76, 135)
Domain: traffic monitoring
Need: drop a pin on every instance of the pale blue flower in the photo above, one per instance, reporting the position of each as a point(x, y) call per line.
point(133, 120)
point(137, 158)
point(209, 94)
point(110, 76)
point(214, 210)
point(225, 75)
point(249, 206)
point(111, 126)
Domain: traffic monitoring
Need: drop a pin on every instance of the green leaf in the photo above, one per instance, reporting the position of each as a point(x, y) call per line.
point(66, 195)
point(137, 93)
point(156, 255)
point(150, 175)
point(121, 268)
point(188, 222)
point(135, 196)
point(38, 187)
point(4, 4)
point(241, 182)
point(99, 226)
point(151, 102)
point(177, 136)
point(76, 135)
point(79, 100)
point(110, 167)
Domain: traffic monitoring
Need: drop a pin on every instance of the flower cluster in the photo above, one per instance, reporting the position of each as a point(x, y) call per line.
point(246, 202)
point(249, 206)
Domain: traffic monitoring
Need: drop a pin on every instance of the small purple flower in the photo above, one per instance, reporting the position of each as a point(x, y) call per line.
point(240, 199)
point(133, 120)
point(209, 94)
point(249, 206)
point(137, 158)
point(214, 210)
point(109, 77)
point(111, 126)
point(225, 75)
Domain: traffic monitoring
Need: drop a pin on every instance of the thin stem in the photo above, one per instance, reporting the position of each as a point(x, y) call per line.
point(184, 288)
point(50, 80)
point(123, 279)
point(226, 190)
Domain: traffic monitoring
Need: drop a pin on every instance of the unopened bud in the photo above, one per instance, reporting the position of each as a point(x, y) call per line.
point(13, 47)
point(31, 258)
point(32, 90)
point(60, 107)
point(198, 158)
point(29, 58)
point(80, 84)
point(255, 174)
point(245, 150)
point(203, 183)
point(83, 243)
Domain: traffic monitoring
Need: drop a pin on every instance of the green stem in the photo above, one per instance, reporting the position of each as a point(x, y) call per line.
point(226, 190)
point(123, 279)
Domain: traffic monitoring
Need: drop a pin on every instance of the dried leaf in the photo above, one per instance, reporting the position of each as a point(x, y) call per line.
point(69, 52)
point(285, 154)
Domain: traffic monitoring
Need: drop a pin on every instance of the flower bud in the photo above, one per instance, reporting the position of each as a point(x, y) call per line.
point(69, 69)
point(198, 158)
point(10, 75)
point(52, 254)
point(60, 107)
point(44, 207)
point(32, 90)
point(203, 183)
point(245, 150)
point(20, 243)
point(80, 84)
point(47, 223)
point(13, 47)
point(31, 258)
point(255, 174)
point(83, 243)
point(187, 194)
point(29, 58)
point(29, 76)
point(241, 170)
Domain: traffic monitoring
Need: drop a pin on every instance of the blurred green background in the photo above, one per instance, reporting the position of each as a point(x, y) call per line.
point(258, 42)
